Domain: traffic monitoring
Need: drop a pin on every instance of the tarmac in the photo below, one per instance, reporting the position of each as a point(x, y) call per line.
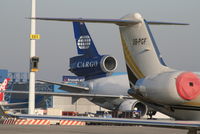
point(56, 129)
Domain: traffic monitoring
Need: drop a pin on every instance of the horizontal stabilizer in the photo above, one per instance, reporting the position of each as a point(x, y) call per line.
point(165, 23)
point(91, 20)
point(66, 87)
point(112, 21)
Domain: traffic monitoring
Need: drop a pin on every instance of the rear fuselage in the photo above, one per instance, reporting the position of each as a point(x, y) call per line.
point(116, 84)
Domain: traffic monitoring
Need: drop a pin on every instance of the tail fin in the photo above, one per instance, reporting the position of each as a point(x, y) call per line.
point(84, 41)
point(3, 87)
point(141, 53)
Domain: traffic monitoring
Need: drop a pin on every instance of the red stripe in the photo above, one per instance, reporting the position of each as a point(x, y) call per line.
point(70, 123)
point(23, 121)
point(4, 122)
point(43, 122)
point(29, 122)
point(17, 121)
point(63, 122)
point(47, 122)
point(34, 122)
point(38, 123)
point(79, 123)
point(74, 122)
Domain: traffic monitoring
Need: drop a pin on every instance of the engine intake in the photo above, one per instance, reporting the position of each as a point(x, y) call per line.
point(130, 105)
point(108, 64)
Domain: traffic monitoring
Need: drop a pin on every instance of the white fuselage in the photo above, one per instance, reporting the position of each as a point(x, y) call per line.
point(110, 85)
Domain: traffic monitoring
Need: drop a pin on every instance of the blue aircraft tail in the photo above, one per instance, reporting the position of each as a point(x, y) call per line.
point(84, 43)
point(89, 63)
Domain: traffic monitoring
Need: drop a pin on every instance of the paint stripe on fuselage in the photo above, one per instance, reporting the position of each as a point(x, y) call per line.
point(133, 68)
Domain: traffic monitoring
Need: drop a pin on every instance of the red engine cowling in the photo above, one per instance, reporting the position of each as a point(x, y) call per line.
point(170, 87)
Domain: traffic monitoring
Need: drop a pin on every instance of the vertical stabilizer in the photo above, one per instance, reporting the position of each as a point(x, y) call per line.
point(3, 87)
point(84, 41)
point(141, 53)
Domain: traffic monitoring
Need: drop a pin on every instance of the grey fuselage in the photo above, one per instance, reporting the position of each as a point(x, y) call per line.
point(110, 85)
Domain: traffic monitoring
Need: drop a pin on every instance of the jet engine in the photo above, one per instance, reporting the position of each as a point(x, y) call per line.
point(129, 105)
point(108, 64)
point(92, 66)
point(173, 87)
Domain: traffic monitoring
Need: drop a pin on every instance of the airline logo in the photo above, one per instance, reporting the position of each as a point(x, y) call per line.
point(3, 87)
point(87, 64)
point(73, 79)
point(84, 42)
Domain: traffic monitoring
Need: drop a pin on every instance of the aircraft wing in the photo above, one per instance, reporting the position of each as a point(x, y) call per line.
point(69, 88)
point(84, 95)
point(192, 126)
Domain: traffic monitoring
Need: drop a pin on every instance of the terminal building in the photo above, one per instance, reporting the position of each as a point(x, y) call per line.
point(20, 82)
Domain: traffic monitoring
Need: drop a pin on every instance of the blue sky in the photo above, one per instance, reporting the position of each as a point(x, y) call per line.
point(179, 45)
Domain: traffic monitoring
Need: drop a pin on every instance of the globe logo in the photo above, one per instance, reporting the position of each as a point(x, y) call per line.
point(84, 42)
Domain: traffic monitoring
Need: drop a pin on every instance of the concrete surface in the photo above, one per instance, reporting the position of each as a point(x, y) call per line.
point(53, 129)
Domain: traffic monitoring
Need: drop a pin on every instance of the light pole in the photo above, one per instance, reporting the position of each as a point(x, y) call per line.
point(33, 60)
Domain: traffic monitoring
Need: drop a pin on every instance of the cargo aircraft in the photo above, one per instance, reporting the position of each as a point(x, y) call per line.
point(102, 85)
point(109, 89)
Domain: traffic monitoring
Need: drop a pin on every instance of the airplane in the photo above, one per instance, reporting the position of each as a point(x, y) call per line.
point(3, 87)
point(16, 102)
point(102, 85)
point(146, 72)
point(169, 91)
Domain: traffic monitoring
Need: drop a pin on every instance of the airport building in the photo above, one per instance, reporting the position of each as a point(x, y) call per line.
point(19, 82)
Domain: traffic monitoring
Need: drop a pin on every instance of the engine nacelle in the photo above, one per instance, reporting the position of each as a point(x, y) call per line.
point(170, 87)
point(108, 64)
point(91, 66)
point(129, 105)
